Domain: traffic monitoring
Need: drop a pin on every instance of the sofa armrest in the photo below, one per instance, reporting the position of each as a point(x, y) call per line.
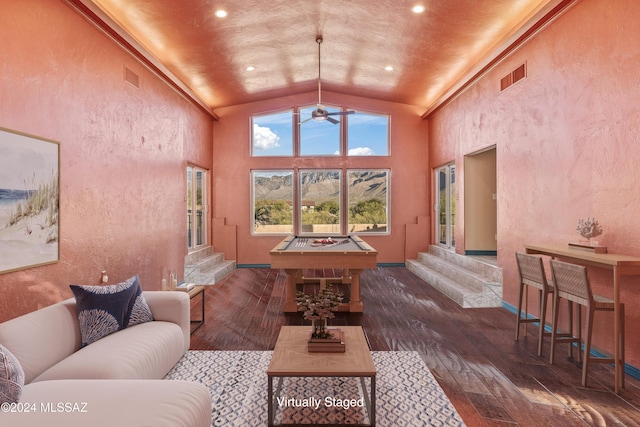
point(171, 306)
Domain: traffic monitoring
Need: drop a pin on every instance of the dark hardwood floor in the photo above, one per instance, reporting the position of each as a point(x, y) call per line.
point(491, 379)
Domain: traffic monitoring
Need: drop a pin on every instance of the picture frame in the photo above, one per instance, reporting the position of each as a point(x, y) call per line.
point(29, 201)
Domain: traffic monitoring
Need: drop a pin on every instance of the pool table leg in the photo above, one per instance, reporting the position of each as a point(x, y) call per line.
point(290, 305)
point(355, 305)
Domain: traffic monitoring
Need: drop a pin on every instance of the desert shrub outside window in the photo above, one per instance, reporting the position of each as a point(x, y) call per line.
point(368, 201)
point(272, 196)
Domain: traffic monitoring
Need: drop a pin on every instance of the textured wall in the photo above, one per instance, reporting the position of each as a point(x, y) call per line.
point(232, 165)
point(123, 152)
point(567, 143)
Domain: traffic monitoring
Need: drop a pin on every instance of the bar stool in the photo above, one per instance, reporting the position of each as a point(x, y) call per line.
point(571, 283)
point(531, 272)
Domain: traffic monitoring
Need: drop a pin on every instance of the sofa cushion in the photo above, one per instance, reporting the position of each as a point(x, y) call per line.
point(97, 403)
point(105, 309)
point(145, 351)
point(42, 338)
point(11, 377)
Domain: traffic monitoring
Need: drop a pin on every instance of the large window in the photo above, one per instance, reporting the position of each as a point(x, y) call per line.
point(368, 201)
point(272, 202)
point(367, 134)
point(332, 200)
point(320, 200)
point(317, 207)
point(196, 207)
point(319, 138)
point(272, 134)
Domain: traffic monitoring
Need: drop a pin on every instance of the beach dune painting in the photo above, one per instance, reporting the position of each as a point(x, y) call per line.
point(29, 201)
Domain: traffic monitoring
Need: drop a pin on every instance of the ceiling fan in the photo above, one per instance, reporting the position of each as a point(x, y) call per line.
point(321, 114)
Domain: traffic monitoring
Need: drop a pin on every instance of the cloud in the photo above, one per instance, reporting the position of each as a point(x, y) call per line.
point(361, 151)
point(264, 138)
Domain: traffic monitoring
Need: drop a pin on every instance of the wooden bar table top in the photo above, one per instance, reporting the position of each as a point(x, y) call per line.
point(622, 265)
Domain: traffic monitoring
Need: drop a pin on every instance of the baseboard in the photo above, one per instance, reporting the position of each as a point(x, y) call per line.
point(381, 264)
point(481, 253)
point(630, 370)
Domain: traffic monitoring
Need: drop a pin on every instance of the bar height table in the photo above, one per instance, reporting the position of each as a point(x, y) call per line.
point(622, 265)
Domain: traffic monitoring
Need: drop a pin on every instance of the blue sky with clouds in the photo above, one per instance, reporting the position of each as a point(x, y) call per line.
point(273, 134)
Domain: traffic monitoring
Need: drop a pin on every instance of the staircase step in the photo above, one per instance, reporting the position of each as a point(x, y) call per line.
point(205, 267)
point(208, 262)
point(492, 272)
point(196, 256)
point(455, 272)
point(211, 275)
point(469, 282)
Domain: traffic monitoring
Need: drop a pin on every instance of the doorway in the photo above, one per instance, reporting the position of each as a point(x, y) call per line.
point(446, 205)
point(480, 203)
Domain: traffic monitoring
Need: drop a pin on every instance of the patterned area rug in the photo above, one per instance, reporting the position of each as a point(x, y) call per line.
point(407, 394)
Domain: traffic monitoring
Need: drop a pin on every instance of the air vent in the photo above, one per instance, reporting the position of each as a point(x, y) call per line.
point(132, 78)
point(506, 81)
point(513, 77)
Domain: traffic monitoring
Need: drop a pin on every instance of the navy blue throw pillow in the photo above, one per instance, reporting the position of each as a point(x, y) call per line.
point(103, 310)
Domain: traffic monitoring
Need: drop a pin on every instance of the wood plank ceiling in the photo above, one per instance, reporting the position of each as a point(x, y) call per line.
point(432, 53)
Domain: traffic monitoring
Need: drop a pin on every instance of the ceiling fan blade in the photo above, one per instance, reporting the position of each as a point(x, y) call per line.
point(332, 120)
point(305, 121)
point(340, 113)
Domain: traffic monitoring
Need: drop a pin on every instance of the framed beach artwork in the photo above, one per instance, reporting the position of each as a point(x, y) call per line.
point(29, 201)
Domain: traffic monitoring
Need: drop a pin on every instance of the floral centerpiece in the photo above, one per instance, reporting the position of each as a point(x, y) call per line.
point(318, 308)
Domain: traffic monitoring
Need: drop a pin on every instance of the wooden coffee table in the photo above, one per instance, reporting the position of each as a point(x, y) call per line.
point(291, 359)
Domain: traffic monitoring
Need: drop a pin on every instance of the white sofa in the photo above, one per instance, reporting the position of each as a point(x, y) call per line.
point(115, 381)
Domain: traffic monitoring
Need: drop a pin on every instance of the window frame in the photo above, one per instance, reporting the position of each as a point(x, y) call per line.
point(387, 201)
point(350, 118)
point(300, 206)
point(303, 120)
point(252, 138)
point(330, 163)
point(253, 173)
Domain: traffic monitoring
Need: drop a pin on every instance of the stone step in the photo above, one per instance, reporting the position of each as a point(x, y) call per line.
point(492, 272)
point(465, 280)
point(205, 267)
point(455, 272)
point(211, 275)
point(207, 262)
point(196, 256)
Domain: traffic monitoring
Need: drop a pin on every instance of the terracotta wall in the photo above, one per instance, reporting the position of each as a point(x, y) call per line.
point(123, 152)
point(567, 143)
point(232, 165)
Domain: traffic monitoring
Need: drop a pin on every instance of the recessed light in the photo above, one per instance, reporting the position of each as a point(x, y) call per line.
point(417, 8)
point(221, 13)
point(251, 68)
point(388, 68)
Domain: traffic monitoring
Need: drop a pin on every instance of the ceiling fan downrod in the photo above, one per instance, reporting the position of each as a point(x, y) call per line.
point(319, 41)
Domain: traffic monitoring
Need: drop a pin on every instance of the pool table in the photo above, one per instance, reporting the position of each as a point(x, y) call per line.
point(350, 253)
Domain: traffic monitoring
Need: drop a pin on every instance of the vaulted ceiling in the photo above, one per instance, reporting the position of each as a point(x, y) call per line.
point(378, 49)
